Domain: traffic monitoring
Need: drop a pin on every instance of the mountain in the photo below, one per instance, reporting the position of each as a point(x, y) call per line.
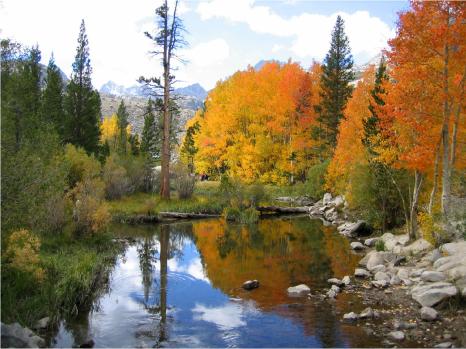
point(194, 90)
point(43, 75)
point(262, 62)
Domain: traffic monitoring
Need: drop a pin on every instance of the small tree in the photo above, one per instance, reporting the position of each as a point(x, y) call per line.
point(122, 118)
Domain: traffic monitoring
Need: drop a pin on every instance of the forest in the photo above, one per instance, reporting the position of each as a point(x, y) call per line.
point(391, 140)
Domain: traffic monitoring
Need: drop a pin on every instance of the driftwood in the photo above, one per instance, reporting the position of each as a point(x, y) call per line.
point(280, 209)
point(182, 215)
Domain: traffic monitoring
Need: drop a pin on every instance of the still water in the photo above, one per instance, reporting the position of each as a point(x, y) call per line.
point(179, 285)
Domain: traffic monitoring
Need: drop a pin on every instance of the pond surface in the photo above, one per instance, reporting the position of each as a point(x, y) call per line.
point(179, 285)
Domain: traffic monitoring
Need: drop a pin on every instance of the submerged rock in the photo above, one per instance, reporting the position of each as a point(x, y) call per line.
point(250, 285)
point(428, 314)
point(300, 290)
point(432, 294)
point(16, 336)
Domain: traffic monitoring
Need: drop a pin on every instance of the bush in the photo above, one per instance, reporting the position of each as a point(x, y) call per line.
point(23, 253)
point(427, 225)
point(115, 178)
point(90, 213)
point(380, 245)
point(80, 165)
point(184, 181)
point(316, 180)
point(231, 214)
point(256, 194)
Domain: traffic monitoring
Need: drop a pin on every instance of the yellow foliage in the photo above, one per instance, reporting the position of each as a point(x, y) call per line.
point(109, 130)
point(23, 253)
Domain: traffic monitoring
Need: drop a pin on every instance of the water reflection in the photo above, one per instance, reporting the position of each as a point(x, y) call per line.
point(179, 285)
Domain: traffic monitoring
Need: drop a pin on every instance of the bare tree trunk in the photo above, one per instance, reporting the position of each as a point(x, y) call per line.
point(446, 173)
point(435, 184)
point(455, 124)
point(414, 204)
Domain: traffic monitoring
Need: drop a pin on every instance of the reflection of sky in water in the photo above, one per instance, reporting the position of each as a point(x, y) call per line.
point(197, 313)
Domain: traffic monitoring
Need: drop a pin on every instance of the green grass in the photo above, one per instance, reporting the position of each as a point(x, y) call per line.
point(74, 269)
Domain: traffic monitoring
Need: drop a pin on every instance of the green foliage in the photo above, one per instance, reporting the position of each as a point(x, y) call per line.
point(122, 117)
point(82, 102)
point(79, 165)
point(115, 179)
point(184, 181)
point(244, 216)
point(151, 134)
point(189, 149)
point(256, 194)
point(380, 245)
point(337, 73)
point(314, 186)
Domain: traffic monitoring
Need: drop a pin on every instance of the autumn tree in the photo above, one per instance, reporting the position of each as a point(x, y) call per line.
point(82, 102)
point(337, 73)
point(167, 41)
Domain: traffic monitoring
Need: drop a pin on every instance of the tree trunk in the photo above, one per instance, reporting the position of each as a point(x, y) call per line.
point(446, 173)
point(456, 122)
point(165, 173)
point(414, 203)
point(435, 184)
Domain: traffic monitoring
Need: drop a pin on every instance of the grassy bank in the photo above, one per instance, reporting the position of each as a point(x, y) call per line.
point(74, 269)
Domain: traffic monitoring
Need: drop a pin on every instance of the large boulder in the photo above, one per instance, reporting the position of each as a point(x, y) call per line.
point(339, 201)
point(300, 290)
point(418, 246)
point(432, 276)
point(381, 276)
point(16, 336)
point(327, 198)
point(391, 242)
point(431, 294)
point(428, 314)
point(454, 248)
point(371, 241)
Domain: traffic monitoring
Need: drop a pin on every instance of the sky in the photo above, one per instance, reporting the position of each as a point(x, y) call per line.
point(223, 35)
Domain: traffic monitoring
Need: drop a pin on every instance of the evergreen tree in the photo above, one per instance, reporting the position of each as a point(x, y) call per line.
point(151, 134)
point(52, 98)
point(122, 117)
point(337, 73)
point(189, 149)
point(82, 102)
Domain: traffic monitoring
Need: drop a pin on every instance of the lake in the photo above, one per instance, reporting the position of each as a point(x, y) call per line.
point(179, 285)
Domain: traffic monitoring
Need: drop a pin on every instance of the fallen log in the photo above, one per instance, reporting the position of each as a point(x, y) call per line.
point(281, 209)
point(182, 215)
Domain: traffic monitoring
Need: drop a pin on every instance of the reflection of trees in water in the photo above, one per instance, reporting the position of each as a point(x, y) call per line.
point(147, 253)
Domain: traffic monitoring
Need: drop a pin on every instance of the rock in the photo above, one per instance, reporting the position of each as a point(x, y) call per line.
point(327, 198)
point(359, 228)
point(391, 241)
point(406, 282)
point(378, 268)
point(397, 335)
point(403, 274)
point(432, 294)
point(250, 285)
point(365, 259)
point(454, 248)
point(428, 314)
point(42, 323)
point(346, 280)
point(371, 241)
point(403, 325)
point(416, 273)
point(432, 276)
point(331, 294)
point(433, 255)
point(375, 259)
point(361, 273)
point(366, 313)
point(357, 246)
point(395, 280)
point(443, 345)
point(335, 281)
point(350, 316)
point(335, 289)
point(339, 201)
point(87, 344)
point(381, 276)
point(446, 263)
point(14, 335)
point(299, 290)
point(418, 246)
point(380, 283)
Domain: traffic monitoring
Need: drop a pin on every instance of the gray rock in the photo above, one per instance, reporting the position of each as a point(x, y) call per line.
point(397, 335)
point(417, 247)
point(403, 325)
point(443, 345)
point(381, 276)
point(395, 280)
point(380, 283)
point(346, 280)
point(339, 201)
point(454, 248)
point(14, 335)
point(361, 273)
point(356, 245)
point(42, 323)
point(378, 268)
point(331, 294)
point(250, 285)
point(403, 274)
point(299, 290)
point(428, 314)
point(432, 276)
point(432, 294)
point(371, 241)
point(375, 259)
point(335, 281)
point(327, 198)
point(433, 255)
point(350, 316)
point(367, 313)
point(416, 273)
point(406, 282)
point(335, 289)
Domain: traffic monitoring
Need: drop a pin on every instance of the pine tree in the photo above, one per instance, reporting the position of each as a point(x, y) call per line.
point(335, 81)
point(189, 149)
point(82, 102)
point(122, 117)
point(52, 98)
point(151, 134)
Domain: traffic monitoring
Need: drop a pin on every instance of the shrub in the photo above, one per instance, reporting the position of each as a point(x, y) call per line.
point(184, 181)
point(380, 245)
point(427, 225)
point(23, 253)
point(115, 178)
point(80, 165)
point(245, 216)
point(90, 214)
point(231, 214)
point(256, 194)
point(316, 180)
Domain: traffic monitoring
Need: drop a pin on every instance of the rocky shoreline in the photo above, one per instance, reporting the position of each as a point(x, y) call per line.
point(415, 294)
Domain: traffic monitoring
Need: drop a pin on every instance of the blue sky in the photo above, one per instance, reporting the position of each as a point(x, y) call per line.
point(223, 35)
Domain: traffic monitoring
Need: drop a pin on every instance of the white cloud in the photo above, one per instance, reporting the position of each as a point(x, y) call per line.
point(208, 53)
point(309, 33)
point(227, 317)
